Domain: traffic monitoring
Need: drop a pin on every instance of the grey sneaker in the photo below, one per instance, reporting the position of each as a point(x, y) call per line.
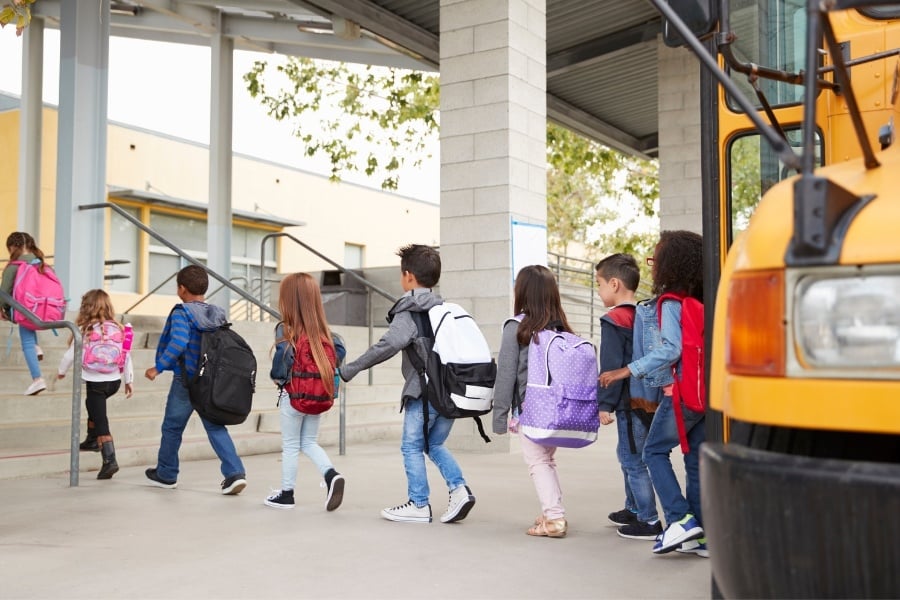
point(461, 502)
point(408, 513)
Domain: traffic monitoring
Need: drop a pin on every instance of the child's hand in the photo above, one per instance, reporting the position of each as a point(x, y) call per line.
point(606, 418)
point(60, 375)
point(615, 375)
point(151, 373)
point(129, 389)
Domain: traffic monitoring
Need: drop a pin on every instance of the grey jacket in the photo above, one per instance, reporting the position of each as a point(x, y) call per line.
point(402, 331)
point(512, 375)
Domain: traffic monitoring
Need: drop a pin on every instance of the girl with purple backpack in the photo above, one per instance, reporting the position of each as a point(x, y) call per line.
point(537, 300)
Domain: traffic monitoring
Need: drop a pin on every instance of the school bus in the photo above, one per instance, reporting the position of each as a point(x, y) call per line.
point(800, 477)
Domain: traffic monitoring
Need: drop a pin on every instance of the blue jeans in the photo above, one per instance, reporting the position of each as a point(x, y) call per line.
point(29, 341)
point(299, 433)
point(639, 496)
point(661, 439)
point(412, 447)
point(178, 411)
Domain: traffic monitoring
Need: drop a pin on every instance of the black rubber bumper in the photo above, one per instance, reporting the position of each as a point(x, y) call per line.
point(786, 526)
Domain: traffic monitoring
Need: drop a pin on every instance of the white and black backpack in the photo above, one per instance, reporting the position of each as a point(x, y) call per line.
point(458, 376)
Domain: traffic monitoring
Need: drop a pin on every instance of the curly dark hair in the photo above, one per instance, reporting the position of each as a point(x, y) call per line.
point(678, 264)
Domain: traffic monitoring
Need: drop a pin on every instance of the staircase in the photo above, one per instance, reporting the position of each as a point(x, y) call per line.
point(35, 430)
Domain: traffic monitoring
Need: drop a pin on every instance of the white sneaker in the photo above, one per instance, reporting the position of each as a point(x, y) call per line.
point(461, 502)
point(37, 386)
point(409, 513)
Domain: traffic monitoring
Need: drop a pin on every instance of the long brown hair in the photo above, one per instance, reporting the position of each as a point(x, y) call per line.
point(537, 297)
point(300, 304)
point(19, 243)
point(96, 307)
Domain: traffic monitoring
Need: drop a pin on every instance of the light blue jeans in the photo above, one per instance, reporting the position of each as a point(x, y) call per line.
point(299, 433)
point(412, 447)
point(661, 439)
point(178, 411)
point(29, 341)
point(639, 496)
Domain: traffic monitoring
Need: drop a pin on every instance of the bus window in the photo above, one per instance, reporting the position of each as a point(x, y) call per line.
point(753, 167)
point(770, 33)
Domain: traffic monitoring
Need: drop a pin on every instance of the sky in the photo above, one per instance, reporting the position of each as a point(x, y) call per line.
point(165, 87)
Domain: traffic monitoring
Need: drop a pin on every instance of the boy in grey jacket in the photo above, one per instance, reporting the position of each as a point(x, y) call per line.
point(420, 270)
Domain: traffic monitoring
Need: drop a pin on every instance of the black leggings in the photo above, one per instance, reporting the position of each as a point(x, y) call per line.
point(95, 400)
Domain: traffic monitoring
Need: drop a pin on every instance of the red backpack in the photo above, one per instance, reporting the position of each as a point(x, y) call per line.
point(690, 388)
point(305, 386)
point(41, 293)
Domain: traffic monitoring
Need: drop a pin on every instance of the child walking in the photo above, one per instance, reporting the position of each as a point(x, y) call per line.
point(420, 270)
point(178, 350)
point(677, 268)
point(303, 326)
point(536, 297)
point(617, 277)
point(102, 375)
point(22, 247)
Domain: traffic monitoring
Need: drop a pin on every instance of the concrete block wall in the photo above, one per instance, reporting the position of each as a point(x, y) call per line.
point(679, 139)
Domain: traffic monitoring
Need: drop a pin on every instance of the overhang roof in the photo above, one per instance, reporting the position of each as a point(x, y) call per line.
point(601, 55)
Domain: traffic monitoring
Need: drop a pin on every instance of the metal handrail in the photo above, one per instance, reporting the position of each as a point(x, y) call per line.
point(124, 214)
point(76, 378)
point(148, 294)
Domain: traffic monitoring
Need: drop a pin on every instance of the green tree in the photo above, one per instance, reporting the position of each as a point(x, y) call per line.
point(355, 114)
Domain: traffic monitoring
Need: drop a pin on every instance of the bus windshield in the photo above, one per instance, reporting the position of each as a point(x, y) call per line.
point(770, 33)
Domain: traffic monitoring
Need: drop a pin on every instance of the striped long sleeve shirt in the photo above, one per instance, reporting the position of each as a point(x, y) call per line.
point(181, 336)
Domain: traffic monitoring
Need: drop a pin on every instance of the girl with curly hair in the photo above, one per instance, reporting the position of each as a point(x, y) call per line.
point(677, 267)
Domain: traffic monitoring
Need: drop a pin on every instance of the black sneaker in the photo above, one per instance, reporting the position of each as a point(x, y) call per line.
point(281, 499)
point(159, 481)
point(334, 481)
point(234, 485)
point(640, 530)
point(90, 444)
point(622, 517)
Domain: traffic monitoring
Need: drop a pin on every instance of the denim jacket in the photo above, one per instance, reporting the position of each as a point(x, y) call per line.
point(655, 349)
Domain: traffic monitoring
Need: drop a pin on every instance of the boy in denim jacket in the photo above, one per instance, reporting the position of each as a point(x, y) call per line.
point(420, 270)
point(617, 278)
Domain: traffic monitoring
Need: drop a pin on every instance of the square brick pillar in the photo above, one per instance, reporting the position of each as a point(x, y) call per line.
point(493, 157)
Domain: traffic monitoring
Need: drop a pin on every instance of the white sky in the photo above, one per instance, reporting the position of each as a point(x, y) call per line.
point(165, 87)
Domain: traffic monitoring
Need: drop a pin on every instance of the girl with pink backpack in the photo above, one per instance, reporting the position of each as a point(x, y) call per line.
point(105, 361)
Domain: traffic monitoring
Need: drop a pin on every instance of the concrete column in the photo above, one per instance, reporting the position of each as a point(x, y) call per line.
point(680, 181)
point(81, 153)
point(493, 155)
point(30, 130)
point(220, 139)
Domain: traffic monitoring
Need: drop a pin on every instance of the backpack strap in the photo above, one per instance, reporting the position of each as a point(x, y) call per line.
point(423, 325)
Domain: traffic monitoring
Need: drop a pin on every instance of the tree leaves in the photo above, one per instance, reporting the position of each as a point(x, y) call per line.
point(18, 11)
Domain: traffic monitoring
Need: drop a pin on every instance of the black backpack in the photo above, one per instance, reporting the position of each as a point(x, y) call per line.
point(221, 390)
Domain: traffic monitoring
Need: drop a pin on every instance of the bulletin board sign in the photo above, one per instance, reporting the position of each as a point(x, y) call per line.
point(529, 245)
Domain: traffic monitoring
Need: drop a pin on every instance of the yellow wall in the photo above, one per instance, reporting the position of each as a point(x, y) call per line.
point(334, 214)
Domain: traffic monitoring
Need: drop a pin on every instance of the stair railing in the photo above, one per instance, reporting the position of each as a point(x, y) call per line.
point(184, 255)
point(76, 379)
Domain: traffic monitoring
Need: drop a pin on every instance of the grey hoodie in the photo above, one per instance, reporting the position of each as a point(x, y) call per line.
point(401, 332)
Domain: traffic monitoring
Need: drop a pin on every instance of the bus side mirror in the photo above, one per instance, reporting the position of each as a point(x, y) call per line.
point(699, 15)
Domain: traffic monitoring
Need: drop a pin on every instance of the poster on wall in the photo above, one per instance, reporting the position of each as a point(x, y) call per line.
point(529, 245)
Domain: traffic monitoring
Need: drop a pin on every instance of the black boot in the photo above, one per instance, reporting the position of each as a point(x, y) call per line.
point(110, 466)
point(90, 441)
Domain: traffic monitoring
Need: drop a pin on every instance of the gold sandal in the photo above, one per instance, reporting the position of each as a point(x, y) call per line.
point(555, 528)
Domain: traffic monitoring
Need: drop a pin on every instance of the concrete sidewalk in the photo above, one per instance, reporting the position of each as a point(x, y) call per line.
point(125, 539)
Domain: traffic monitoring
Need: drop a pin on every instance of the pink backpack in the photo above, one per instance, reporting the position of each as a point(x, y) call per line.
point(41, 293)
point(105, 347)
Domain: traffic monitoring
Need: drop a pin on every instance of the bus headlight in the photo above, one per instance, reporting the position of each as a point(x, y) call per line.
point(847, 322)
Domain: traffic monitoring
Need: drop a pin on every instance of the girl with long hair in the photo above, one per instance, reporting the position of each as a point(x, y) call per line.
point(536, 298)
point(105, 361)
point(303, 333)
point(22, 247)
